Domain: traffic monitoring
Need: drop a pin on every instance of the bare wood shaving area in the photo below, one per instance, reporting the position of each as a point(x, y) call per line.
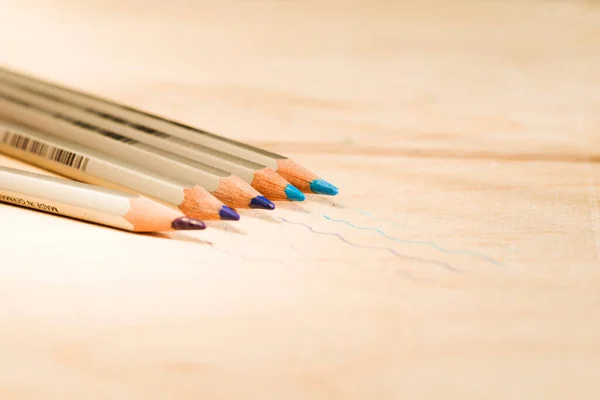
point(191, 207)
point(266, 181)
point(141, 207)
point(295, 174)
point(234, 192)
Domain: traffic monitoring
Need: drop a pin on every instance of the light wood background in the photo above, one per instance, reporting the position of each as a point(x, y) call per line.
point(460, 260)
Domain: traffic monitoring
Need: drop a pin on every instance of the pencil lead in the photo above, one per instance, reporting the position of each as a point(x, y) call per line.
point(321, 186)
point(187, 224)
point(294, 194)
point(229, 214)
point(262, 202)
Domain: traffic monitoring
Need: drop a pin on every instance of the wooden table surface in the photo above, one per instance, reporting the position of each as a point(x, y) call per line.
point(461, 259)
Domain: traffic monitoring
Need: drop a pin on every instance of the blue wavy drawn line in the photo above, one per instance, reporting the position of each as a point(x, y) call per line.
point(287, 260)
point(390, 250)
point(396, 271)
point(423, 242)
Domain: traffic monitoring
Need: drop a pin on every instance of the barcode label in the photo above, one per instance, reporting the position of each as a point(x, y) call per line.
point(41, 149)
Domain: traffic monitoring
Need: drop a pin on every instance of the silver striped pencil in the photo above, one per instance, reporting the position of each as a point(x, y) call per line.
point(293, 172)
point(87, 165)
point(56, 119)
point(91, 203)
point(263, 179)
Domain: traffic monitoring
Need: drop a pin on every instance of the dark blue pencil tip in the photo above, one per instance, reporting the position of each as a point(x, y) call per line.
point(187, 224)
point(229, 214)
point(262, 202)
point(320, 186)
point(293, 193)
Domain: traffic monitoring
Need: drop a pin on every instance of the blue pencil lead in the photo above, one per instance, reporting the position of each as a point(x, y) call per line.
point(229, 214)
point(262, 202)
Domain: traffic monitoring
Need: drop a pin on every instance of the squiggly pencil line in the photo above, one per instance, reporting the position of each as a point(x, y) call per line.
point(423, 242)
point(348, 263)
point(284, 261)
point(394, 252)
point(396, 271)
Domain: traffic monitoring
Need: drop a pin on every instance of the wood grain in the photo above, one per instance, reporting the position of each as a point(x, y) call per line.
point(464, 137)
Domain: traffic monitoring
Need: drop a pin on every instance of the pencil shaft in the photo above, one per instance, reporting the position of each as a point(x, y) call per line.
point(173, 128)
point(87, 165)
point(261, 178)
point(78, 200)
point(58, 120)
point(174, 132)
point(60, 102)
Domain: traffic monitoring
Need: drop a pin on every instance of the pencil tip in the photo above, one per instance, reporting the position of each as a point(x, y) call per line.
point(262, 202)
point(321, 186)
point(187, 224)
point(229, 214)
point(294, 194)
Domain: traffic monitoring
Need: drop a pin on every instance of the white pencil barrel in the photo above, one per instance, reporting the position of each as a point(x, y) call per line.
point(64, 197)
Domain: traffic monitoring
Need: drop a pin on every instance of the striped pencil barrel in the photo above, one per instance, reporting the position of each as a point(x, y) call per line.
point(48, 116)
point(263, 179)
point(94, 167)
point(293, 172)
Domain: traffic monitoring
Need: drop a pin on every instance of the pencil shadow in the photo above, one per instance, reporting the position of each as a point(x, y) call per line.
point(178, 236)
point(290, 206)
point(224, 226)
point(316, 198)
point(259, 214)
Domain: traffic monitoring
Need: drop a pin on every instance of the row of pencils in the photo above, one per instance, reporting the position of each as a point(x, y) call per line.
point(131, 169)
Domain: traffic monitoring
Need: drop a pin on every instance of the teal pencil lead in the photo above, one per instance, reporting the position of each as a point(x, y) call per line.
point(294, 194)
point(321, 186)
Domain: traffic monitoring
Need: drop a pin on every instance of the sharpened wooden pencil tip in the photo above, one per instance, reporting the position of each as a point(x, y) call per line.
point(296, 174)
point(303, 179)
point(200, 204)
point(235, 192)
point(146, 215)
point(270, 184)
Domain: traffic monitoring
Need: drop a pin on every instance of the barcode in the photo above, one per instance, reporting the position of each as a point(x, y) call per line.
point(41, 149)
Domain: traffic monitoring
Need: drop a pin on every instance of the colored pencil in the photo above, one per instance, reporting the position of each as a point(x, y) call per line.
point(91, 203)
point(90, 166)
point(293, 172)
point(56, 119)
point(263, 179)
